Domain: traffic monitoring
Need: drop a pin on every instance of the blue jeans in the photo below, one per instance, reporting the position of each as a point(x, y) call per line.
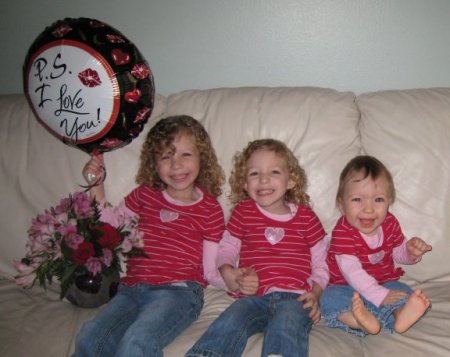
point(282, 318)
point(140, 320)
point(337, 299)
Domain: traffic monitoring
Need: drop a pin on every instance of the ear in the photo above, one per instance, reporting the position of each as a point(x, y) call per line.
point(340, 205)
point(290, 184)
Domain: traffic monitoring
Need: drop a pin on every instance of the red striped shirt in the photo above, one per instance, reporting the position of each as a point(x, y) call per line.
point(285, 264)
point(347, 240)
point(173, 237)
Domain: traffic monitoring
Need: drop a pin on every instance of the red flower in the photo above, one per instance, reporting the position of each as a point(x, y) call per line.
point(110, 238)
point(83, 253)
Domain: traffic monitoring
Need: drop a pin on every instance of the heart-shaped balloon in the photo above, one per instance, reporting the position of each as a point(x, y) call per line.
point(88, 84)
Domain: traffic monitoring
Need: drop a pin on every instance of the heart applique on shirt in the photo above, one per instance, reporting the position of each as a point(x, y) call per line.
point(274, 235)
point(376, 257)
point(167, 216)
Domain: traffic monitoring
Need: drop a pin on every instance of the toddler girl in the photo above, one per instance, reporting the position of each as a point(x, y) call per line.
point(364, 293)
point(281, 248)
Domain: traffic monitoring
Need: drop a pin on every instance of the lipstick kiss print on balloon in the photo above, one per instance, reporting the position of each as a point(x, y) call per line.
point(120, 57)
point(133, 96)
point(88, 85)
point(89, 78)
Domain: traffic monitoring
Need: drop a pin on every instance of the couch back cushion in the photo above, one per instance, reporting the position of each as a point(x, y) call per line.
point(409, 130)
point(319, 125)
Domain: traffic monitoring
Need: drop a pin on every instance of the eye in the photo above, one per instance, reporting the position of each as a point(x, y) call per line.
point(379, 199)
point(253, 173)
point(165, 156)
point(187, 154)
point(276, 172)
point(356, 199)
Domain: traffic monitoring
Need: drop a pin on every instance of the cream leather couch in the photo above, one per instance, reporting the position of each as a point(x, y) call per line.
point(409, 130)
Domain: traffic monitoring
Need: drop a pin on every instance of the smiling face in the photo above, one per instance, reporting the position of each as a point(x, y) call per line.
point(365, 201)
point(268, 179)
point(178, 167)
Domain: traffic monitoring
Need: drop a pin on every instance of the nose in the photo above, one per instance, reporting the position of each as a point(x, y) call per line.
point(175, 162)
point(263, 178)
point(368, 207)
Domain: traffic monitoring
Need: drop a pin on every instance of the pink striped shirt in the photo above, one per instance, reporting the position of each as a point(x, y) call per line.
point(174, 237)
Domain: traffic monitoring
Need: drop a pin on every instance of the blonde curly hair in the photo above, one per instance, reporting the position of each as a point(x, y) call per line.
point(161, 136)
point(238, 177)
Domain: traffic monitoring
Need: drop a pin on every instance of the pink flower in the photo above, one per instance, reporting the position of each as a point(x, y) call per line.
point(82, 205)
point(27, 273)
point(107, 257)
point(73, 240)
point(93, 265)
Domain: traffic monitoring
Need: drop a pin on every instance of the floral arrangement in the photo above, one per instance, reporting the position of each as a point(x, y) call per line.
point(69, 240)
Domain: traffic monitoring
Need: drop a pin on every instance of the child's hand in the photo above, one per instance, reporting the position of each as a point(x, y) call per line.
point(416, 247)
point(94, 170)
point(310, 299)
point(248, 281)
point(230, 276)
point(393, 296)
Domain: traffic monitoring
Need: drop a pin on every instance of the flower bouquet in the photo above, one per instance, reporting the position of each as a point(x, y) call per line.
point(69, 240)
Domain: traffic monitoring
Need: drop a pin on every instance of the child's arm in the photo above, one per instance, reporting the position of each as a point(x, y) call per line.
point(318, 280)
point(212, 275)
point(311, 300)
point(94, 171)
point(244, 280)
point(319, 268)
point(360, 280)
point(410, 251)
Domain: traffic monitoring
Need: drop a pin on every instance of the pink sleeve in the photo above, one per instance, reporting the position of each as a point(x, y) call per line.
point(357, 277)
point(210, 270)
point(110, 214)
point(229, 248)
point(402, 256)
point(320, 273)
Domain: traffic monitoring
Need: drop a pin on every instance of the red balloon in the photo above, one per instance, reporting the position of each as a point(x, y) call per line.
point(88, 84)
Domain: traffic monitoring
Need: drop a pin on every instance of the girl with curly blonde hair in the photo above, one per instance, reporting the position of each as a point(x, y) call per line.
point(181, 223)
point(271, 257)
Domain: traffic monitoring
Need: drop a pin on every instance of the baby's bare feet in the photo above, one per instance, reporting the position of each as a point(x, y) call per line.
point(414, 308)
point(365, 319)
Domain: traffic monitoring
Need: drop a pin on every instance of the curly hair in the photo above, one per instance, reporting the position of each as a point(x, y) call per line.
point(161, 136)
point(370, 167)
point(238, 177)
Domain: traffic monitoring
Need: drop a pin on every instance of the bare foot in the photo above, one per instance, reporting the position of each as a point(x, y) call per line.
point(412, 311)
point(365, 319)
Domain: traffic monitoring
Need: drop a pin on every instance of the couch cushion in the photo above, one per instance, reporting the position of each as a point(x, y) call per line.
point(409, 130)
point(319, 125)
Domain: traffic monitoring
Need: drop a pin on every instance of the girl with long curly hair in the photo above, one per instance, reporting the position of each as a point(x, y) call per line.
point(182, 223)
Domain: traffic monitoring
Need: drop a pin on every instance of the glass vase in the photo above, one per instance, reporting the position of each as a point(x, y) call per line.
point(90, 291)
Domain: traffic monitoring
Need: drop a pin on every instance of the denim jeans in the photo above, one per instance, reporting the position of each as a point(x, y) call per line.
point(140, 320)
point(282, 318)
point(337, 299)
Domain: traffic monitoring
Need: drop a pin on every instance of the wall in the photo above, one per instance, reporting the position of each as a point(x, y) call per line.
point(357, 45)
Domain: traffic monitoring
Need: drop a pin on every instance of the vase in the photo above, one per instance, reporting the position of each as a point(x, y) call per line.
point(93, 291)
